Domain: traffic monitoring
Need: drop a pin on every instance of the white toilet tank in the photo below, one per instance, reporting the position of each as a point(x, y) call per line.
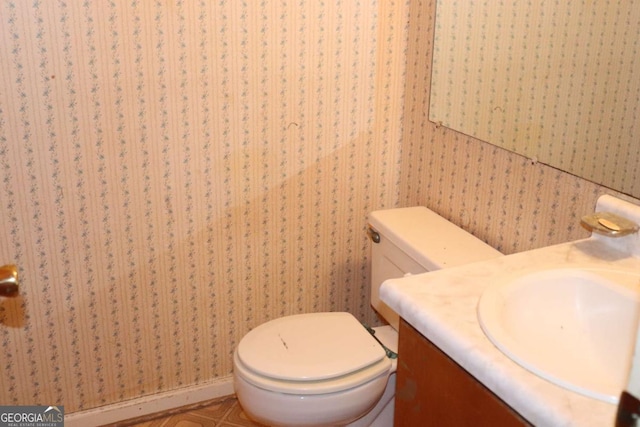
point(416, 240)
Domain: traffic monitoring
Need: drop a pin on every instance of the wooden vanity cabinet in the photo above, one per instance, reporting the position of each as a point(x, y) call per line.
point(433, 390)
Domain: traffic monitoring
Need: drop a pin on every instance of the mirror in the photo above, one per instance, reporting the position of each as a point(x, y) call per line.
point(556, 82)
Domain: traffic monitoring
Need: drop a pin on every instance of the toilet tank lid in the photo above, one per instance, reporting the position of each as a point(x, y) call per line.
point(430, 239)
point(309, 347)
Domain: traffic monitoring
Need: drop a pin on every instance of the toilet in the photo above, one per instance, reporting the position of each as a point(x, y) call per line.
point(327, 369)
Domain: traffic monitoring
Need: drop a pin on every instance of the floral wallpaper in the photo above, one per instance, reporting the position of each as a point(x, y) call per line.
point(175, 173)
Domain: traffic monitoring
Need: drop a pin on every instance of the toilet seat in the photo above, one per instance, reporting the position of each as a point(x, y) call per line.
point(310, 354)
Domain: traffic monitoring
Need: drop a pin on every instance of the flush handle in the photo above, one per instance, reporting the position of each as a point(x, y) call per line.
point(373, 235)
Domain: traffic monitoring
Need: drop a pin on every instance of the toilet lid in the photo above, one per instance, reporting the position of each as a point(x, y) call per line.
point(309, 347)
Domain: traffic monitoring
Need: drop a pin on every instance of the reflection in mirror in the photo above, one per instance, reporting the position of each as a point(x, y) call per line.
point(556, 82)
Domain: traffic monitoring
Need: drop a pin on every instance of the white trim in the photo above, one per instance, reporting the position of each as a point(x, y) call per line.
point(151, 404)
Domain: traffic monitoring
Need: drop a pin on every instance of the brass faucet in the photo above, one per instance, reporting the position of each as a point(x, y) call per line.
point(9, 286)
point(608, 224)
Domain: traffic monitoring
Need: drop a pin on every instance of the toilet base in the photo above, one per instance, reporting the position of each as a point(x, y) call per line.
point(333, 409)
point(382, 414)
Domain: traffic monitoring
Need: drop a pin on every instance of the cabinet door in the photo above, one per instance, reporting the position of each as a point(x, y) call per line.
point(433, 390)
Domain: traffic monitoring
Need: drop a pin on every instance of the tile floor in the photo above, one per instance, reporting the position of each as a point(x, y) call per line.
point(221, 412)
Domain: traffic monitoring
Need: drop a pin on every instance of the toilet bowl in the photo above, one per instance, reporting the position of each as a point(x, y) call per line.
point(313, 369)
point(327, 369)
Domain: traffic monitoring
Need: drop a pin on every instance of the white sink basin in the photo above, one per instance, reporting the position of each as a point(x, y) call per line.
point(575, 327)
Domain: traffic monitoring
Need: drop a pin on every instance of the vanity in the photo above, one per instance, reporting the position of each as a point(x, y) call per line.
point(433, 390)
point(446, 354)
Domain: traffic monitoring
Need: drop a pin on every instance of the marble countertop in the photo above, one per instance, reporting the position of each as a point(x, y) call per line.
point(442, 306)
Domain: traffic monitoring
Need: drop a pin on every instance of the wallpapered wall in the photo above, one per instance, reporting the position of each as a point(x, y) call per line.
point(174, 173)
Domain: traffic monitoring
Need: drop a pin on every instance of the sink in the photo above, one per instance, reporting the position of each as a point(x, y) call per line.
point(575, 327)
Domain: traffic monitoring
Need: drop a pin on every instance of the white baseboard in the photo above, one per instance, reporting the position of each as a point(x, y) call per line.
point(150, 404)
